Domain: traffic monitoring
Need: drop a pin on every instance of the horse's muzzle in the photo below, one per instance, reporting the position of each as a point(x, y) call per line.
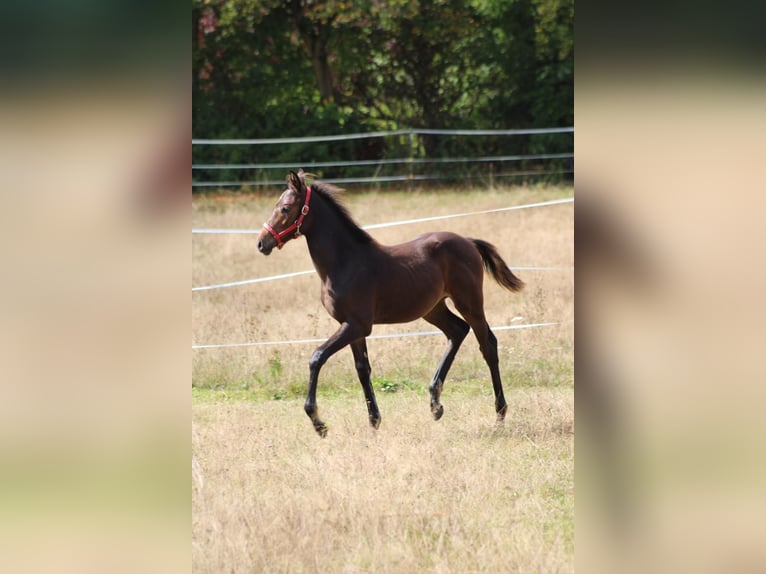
point(263, 248)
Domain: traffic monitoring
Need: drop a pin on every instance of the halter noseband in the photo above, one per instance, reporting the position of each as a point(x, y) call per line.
point(296, 226)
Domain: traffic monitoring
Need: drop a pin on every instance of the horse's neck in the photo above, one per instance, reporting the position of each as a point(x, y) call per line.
point(332, 246)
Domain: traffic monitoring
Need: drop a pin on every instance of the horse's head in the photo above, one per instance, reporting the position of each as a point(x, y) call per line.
point(286, 219)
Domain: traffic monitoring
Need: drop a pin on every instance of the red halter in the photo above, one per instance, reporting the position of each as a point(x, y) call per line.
point(296, 226)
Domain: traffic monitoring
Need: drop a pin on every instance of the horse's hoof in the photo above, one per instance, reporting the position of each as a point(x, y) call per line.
point(437, 412)
point(501, 415)
point(375, 423)
point(321, 429)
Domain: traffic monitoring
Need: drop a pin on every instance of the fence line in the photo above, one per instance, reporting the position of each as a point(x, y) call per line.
point(377, 226)
point(410, 177)
point(341, 137)
point(251, 281)
point(377, 179)
point(483, 212)
point(384, 336)
point(310, 271)
point(402, 160)
point(373, 179)
point(220, 231)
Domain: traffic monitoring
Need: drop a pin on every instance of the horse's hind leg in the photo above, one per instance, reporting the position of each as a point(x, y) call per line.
point(362, 363)
point(456, 330)
point(474, 314)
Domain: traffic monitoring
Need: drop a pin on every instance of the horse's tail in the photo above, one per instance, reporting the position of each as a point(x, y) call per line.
point(495, 266)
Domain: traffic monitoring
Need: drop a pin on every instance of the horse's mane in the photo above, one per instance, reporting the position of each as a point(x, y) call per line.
point(334, 199)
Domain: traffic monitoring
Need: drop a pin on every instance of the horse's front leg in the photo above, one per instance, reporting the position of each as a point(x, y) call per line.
point(346, 334)
point(362, 363)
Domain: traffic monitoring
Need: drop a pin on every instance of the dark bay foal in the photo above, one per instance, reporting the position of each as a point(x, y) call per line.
point(364, 283)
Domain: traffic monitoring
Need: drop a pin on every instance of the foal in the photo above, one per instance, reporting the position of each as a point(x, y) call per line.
point(364, 283)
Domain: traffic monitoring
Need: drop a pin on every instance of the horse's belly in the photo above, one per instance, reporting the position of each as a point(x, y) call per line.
point(406, 306)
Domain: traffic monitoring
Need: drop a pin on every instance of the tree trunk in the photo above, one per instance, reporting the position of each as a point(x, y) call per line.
point(315, 36)
point(317, 48)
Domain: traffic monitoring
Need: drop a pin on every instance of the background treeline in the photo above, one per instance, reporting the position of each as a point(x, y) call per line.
point(276, 68)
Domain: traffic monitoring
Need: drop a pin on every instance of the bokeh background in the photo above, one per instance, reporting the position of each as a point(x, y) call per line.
point(95, 362)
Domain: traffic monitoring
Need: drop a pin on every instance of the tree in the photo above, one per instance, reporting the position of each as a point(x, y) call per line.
point(271, 68)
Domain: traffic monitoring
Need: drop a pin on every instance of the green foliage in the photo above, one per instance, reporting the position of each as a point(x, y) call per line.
point(386, 385)
point(288, 68)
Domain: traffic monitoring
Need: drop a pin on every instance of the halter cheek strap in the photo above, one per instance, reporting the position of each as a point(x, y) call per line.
point(296, 226)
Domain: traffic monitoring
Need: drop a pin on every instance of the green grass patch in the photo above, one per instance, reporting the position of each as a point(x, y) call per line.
point(270, 384)
point(393, 385)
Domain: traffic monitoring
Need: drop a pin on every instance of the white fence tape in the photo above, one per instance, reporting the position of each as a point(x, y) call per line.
point(378, 226)
point(381, 179)
point(310, 271)
point(251, 281)
point(455, 215)
point(377, 162)
point(218, 231)
point(358, 136)
point(385, 336)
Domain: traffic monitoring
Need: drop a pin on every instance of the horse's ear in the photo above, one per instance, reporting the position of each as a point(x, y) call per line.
point(295, 180)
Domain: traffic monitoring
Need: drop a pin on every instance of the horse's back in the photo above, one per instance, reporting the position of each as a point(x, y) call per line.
point(435, 244)
point(451, 251)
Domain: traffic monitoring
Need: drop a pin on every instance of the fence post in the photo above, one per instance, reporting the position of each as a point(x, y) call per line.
point(410, 175)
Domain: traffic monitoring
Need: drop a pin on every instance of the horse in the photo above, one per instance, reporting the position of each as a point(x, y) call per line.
point(366, 283)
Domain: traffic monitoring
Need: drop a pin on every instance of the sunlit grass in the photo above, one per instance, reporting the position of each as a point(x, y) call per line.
point(457, 495)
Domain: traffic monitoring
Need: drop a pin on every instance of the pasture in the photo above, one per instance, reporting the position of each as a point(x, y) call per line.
point(457, 495)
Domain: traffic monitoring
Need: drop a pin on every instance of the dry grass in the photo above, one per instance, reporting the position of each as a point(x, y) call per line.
point(455, 496)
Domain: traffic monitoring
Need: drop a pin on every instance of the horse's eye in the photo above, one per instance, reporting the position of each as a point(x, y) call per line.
point(285, 209)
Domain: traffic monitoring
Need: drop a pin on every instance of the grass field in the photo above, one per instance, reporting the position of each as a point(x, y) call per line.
point(458, 495)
